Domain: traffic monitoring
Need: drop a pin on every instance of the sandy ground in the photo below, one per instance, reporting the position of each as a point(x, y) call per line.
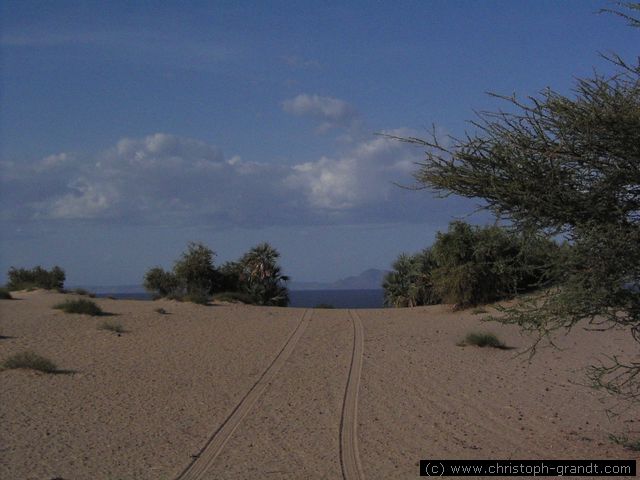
point(235, 392)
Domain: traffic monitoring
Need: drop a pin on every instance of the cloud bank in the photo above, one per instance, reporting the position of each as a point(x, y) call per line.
point(172, 180)
point(329, 111)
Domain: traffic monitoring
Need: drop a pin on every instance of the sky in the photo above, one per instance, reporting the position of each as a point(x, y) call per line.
point(128, 129)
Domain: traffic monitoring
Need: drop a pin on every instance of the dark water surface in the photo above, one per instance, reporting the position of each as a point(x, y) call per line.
point(301, 298)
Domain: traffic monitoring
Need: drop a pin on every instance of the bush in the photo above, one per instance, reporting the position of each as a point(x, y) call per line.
point(31, 361)
point(233, 297)
point(484, 340)
point(410, 283)
point(470, 265)
point(193, 278)
point(84, 292)
point(261, 276)
point(201, 297)
point(4, 294)
point(82, 306)
point(37, 277)
point(112, 327)
point(161, 282)
point(324, 305)
point(633, 445)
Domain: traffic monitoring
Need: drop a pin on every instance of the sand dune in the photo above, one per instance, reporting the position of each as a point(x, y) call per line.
point(234, 392)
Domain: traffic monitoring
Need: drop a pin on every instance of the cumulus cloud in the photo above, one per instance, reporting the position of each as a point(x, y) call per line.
point(365, 175)
point(169, 179)
point(331, 112)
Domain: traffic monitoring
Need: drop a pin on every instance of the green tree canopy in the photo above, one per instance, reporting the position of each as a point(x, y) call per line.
point(564, 165)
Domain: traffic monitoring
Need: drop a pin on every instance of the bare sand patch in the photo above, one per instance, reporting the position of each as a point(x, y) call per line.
point(139, 405)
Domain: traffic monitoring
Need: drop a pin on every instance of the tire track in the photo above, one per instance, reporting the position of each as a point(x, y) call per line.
point(349, 456)
point(200, 464)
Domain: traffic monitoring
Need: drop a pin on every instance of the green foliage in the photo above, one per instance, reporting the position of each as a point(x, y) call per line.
point(256, 278)
point(81, 306)
point(410, 282)
point(633, 445)
point(324, 306)
point(193, 278)
point(37, 277)
point(483, 340)
point(229, 276)
point(84, 292)
point(564, 165)
point(30, 360)
point(195, 271)
point(161, 282)
point(261, 276)
point(4, 294)
point(233, 297)
point(469, 266)
point(481, 265)
point(114, 327)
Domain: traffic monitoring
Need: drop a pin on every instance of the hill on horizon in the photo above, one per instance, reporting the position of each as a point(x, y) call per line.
point(370, 279)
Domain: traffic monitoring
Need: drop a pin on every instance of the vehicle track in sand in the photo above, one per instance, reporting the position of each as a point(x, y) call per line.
point(200, 464)
point(349, 455)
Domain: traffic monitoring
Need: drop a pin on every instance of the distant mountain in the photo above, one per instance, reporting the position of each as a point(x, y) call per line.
point(368, 280)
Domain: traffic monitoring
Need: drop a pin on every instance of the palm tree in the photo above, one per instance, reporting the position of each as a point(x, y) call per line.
point(261, 276)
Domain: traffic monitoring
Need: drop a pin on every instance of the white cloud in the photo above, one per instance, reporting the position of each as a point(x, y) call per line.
point(165, 178)
point(365, 175)
point(331, 112)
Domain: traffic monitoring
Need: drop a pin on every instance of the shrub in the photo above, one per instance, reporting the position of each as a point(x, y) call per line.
point(193, 277)
point(261, 276)
point(324, 305)
point(201, 297)
point(161, 282)
point(410, 282)
point(37, 277)
point(195, 272)
point(112, 327)
point(483, 340)
point(229, 276)
point(84, 292)
point(4, 294)
point(82, 306)
point(470, 265)
point(633, 445)
point(31, 361)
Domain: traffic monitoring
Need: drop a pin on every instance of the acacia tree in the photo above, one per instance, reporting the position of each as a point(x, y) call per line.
point(569, 166)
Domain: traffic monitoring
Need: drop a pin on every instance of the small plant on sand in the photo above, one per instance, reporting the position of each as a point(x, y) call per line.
point(82, 306)
point(633, 445)
point(31, 361)
point(483, 340)
point(4, 294)
point(114, 327)
point(233, 297)
point(478, 311)
point(84, 292)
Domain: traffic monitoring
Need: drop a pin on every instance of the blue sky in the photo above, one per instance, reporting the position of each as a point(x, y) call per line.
point(127, 130)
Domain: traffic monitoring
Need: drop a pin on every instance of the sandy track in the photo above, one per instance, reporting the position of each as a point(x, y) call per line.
point(198, 468)
point(139, 405)
point(349, 456)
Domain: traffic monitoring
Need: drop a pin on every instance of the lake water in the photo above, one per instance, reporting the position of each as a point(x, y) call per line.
point(303, 298)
